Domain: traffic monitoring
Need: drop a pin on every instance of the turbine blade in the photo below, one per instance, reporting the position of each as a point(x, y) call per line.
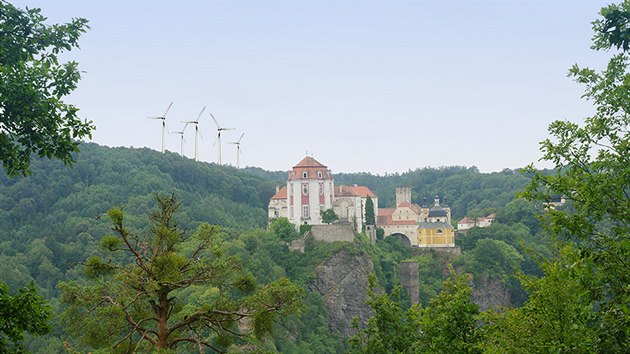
point(200, 113)
point(167, 109)
point(239, 139)
point(228, 128)
point(215, 121)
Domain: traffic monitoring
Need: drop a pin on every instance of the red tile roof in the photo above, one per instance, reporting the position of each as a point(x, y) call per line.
point(308, 161)
point(386, 211)
point(384, 216)
point(415, 207)
point(345, 191)
point(363, 191)
point(465, 220)
point(282, 194)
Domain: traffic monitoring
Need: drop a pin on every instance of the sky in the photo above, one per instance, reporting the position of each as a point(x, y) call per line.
point(362, 86)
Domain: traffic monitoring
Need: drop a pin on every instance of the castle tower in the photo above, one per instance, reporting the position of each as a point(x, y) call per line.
point(309, 191)
point(403, 194)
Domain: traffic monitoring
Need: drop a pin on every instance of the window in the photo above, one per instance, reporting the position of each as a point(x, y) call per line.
point(305, 212)
point(319, 174)
point(305, 174)
point(321, 189)
point(438, 231)
point(305, 189)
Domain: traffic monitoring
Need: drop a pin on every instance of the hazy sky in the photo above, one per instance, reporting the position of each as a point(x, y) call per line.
point(376, 86)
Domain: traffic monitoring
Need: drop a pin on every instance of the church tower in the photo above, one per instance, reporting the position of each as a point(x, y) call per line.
point(310, 190)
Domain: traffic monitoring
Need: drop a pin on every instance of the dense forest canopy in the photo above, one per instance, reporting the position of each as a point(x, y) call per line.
point(560, 272)
point(53, 220)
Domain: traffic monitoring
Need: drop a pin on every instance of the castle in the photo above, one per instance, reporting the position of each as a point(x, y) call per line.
point(420, 226)
point(311, 189)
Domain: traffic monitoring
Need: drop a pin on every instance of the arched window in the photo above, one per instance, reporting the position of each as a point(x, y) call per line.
point(305, 174)
point(319, 174)
point(439, 231)
point(305, 189)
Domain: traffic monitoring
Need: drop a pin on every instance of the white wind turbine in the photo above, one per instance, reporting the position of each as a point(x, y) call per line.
point(163, 119)
point(196, 123)
point(182, 140)
point(238, 150)
point(219, 130)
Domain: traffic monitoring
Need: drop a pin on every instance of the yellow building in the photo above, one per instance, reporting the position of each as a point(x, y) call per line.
point(436, 234)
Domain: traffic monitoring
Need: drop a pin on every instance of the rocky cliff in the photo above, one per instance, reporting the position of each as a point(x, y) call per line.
point(343, 281)
point(490, 293)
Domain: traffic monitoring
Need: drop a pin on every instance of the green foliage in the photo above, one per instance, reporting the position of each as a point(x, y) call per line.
point(448, 325)
point(23, 312)
point(390, 329)
point(138, 301)
point(329, 216)
point(304, 229)
point(613, 30)
point(370, 218)
point(493, 259)
point(557, 317)
point(283, 228)
point(33, 83)
point(466, 189)
point(581, 305)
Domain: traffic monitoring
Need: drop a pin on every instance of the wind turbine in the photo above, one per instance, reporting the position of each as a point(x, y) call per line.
point(196, 123)
point(238, 150)
point(163, 119)
point(182, 140)
point(219, 130)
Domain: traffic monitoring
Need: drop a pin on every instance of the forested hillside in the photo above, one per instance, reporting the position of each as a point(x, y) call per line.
point(467, 191)
point(51, 219)
point(54, 219)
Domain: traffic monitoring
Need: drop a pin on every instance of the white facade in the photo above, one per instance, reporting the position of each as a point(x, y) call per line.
point(307, 198)
point(311, 189)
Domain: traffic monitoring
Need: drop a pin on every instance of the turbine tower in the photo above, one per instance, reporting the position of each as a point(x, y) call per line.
point(238, 150)
point(163, 119)
point(182, 140)
point(219, 130)
point(196, 123)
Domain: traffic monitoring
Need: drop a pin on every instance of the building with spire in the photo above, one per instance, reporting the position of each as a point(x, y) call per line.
point(417, 225)
point(311, 189)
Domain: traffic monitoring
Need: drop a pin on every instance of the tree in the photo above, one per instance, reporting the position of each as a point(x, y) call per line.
point(557, 317)
point(139, 303)
point(24, 312)
point(33, 117)
point(389, 329)
point(369, 212)
point(283, 228)
point(447, 325)
point(592, 170)
point(329, 216)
